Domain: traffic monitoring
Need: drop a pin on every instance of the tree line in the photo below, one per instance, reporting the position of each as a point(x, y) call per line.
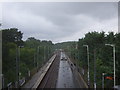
point(98, 51)
point(31, 55)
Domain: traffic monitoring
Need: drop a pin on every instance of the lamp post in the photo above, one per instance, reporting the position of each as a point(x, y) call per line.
point(112, 45)
point(88, 64)
point(37, 56)
point(17, 63)
point(2, 76)
point(47, 52)
point(19, 60)
point(103, 75)
point(17, 66)
point(44, 53)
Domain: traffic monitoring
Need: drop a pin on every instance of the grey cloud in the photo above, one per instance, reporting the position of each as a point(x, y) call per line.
point(57, 21)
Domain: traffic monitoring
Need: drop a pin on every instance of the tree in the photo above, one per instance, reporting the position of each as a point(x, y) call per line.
point(11, 38)
point(12, 35)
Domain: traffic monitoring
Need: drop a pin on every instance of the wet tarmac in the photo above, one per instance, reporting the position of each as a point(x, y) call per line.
point(65, 75)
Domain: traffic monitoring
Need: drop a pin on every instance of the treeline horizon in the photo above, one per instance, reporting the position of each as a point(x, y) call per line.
point(30, 54)
point(34, 53)
point(101, 56)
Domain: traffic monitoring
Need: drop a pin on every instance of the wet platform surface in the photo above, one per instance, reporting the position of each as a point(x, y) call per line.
point(62, 74)
point(65, 75)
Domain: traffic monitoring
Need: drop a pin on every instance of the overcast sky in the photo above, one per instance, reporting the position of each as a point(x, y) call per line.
point(60, 22)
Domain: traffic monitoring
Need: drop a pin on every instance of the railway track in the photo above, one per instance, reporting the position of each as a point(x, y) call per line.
point(49, 75)
point(50, 79)
point(57, 74)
